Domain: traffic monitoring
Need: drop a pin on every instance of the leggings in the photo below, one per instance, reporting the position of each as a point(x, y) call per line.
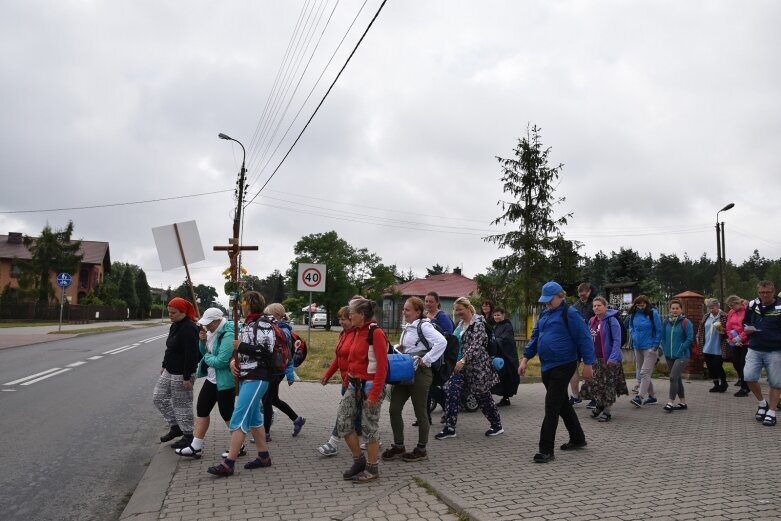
point(453, 403)
point(739, 360)
point(209, 396)
point(174, 402)
point(272, 400)
point(676, 366)
point(715, 365)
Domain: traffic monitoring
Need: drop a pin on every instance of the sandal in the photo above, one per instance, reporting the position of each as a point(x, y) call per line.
point(669, 407)
point(242, 452)
point(761, 413)
point(596, 411)
point(220, 470)
point(769, 421)
point(190, 452)
point(681, 407)
point(604, 417)
point(326, 449)
point(258, 463)
point(365, 476)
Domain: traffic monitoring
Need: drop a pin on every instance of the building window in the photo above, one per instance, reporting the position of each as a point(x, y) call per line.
point(15, 271)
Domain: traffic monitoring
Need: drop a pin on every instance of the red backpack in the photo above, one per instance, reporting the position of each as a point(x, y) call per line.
point(279, 353)
point(299, 349)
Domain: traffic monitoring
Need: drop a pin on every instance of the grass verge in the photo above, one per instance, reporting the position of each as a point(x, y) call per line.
point(89, 330)
point(27, 323)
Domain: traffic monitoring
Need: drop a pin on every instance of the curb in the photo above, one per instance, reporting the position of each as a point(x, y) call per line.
point(451, 499)
point(147, 500)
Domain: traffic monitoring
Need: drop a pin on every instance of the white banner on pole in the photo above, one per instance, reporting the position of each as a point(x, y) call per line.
point(168, 246)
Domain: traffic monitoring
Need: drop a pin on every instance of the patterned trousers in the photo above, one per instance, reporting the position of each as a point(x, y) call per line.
point(453, 403)
point(174, 402)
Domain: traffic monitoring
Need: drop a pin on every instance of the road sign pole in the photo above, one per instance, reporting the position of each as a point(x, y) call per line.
point(309, 331)
point(62, 299)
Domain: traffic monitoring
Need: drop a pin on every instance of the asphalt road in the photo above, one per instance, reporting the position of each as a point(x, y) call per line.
point(76, 439)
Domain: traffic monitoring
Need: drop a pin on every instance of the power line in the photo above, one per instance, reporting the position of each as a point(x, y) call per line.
point(115, 204)
point(321, 101)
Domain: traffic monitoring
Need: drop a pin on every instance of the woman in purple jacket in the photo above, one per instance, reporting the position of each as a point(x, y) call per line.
point(609, 381)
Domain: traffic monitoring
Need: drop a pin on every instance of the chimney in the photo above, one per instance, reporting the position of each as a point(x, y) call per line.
point(457, 271)
point(14, 238)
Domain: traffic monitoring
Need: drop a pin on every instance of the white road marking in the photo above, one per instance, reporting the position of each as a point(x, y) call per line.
point(115, 349)
point(76, 364)
point(126, 348)
point(47, 376)
point(96, 357)
point(32, 376)
point(8, 390)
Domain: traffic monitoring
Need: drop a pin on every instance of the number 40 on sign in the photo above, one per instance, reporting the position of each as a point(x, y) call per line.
point(311, 277)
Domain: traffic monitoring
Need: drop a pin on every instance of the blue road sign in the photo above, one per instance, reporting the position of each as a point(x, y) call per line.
point(64, 280)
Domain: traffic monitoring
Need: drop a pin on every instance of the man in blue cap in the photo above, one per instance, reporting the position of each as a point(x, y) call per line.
point(560, 341)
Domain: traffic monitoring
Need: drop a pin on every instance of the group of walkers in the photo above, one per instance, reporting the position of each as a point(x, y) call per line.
point(564, 336)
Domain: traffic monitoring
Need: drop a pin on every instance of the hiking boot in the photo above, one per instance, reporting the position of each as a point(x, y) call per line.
point(393, 452)
point(359, 465)
point(182, 442)
point(447, 432)
point(637, 401)
point(417, 454)
point(173, 432)
point(298, 424)
point(494, 431)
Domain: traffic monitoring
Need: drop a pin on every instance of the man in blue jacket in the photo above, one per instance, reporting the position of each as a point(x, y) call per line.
point(560, 341)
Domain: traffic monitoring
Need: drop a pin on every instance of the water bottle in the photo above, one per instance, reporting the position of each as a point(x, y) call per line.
point(735, 338)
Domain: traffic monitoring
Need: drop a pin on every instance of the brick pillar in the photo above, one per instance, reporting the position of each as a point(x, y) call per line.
point(693, 309)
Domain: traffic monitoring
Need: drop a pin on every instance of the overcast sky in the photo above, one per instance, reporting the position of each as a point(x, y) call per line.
point(661, 112)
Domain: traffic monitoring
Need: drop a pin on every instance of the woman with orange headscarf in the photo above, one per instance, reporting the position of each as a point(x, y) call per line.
point(173, 395)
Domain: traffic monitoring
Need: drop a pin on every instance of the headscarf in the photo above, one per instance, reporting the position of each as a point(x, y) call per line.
point(184, 306)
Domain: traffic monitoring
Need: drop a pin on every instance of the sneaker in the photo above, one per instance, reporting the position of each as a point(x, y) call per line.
point(592, 404)
point(417, 454)
point(636, 389)
point(242, 452)
point(571, 445)
point(393, 452)
point(182, 442)
point(575, 401)
point(173, 432)
point(258, 463)
point(298, 424)
point(636, 401)
point(543, 458)
point(505, 402)
point(221, 470)
point(326, 449)
point(741, 393)
point(716, 388)
point(494, 431)
point(358, 466)
point(651, 400)
point(447, 432)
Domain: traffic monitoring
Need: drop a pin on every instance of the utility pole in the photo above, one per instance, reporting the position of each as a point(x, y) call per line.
point(235, 248)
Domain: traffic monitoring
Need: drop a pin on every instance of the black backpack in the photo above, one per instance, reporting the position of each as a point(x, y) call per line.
point(442, 369)
point(493, 344)
point(624, 332)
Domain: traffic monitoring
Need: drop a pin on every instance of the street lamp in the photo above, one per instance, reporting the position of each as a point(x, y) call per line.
point(720, 255)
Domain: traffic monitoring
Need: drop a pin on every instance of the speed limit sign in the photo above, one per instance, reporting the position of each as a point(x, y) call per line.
point(311, 277)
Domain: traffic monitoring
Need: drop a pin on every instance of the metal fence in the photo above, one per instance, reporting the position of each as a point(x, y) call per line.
point(70, 313)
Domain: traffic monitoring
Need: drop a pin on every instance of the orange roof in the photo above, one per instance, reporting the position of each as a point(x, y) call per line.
point(94, 252)
point(689, 294)
point(449, 285)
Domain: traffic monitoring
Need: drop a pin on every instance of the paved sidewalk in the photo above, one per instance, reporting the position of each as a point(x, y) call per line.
point(711, 462)
point(28, 335)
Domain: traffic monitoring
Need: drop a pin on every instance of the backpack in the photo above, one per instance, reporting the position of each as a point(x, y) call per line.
point(443, 367)
point(299, 349)
point(275, 344)
point(624, 332)
point(493, 344)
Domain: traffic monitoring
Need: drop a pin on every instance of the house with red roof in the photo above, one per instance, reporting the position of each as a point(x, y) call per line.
point(449, 287)
point(95, 262)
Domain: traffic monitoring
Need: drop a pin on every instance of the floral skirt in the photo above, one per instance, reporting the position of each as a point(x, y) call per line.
point(607, 384)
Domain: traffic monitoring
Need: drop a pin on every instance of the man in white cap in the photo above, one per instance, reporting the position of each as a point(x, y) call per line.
point(561, 338)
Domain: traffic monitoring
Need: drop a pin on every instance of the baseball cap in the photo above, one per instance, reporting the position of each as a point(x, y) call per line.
point(550, 290)
point(209, 316)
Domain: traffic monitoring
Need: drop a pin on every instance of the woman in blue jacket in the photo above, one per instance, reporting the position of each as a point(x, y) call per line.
point(677, 338)
point(645, 329)
point(608, 382)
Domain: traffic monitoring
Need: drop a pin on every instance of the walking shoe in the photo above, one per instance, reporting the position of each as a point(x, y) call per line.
point(592, 404)
point(571, 445)
point(741, 393)
point(723, 387)
point(182, 442)
point(393, 452)
point(575, 401)
point(636, 401)
point(326, 449)
point(504, 402)
point(258, 463)
point(417, 454)
point(189, 452)
point(543, 458)
point(242, 452)
point(636, 389)
point(596, 412)
point(494, 431)
point(739, 383)
point(268, 437)
point(769, 421)
point(447, 432)
point(173, 432)
point(359, 465)
point(651, 400)
point(221, 470)
point(604, 417)
point(298, 424)
point(715, 388)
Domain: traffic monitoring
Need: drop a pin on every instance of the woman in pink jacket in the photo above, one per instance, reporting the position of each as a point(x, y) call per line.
point(737, 339)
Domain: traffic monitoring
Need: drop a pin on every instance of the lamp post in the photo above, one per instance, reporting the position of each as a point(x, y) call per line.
point(720, 250)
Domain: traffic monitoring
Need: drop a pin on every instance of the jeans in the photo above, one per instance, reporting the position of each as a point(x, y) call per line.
point(646, 360)
point(771, 361)
point(557, 404)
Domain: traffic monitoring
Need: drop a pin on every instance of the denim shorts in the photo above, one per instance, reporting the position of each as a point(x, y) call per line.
point(756, 360)
point(246, 413)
